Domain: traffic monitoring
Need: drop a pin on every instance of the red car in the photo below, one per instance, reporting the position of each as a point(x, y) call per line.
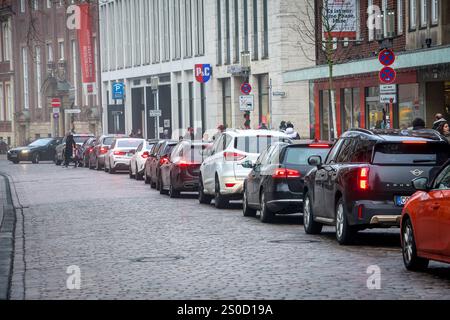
point(425, 224)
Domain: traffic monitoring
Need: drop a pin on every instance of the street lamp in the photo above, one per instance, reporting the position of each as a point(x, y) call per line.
point(155, 88)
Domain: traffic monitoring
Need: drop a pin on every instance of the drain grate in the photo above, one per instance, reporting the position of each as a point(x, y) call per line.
point(294, 241)
point(157, 259)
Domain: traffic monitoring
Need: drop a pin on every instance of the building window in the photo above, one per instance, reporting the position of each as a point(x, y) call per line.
point(255, 30)
point(399, 17)
point(8, 109)
point(75, 70)
point(188, 28)
point(371, 30)
point(191, 104)
point(35, 5)
point(263, 95)
point(177, 29)
point(61, 50)
point(219, 33)
point(156, 37)
point(236, 31)
point(385, 16)
point(38, 77)
point(227, 33)
point(166, 15)
point(180, 105)
point(49, 4)
point(26, 102)
point(265, 30)
point(49, 52)
point(199, 28)
point(2, 107)
point(6, 40)
point(412, 14)
point(408, 107)
point(434, 12)
point(245, 25)
point(423, 13)
point(351, 112)
point(226, 103)
point(22, 6)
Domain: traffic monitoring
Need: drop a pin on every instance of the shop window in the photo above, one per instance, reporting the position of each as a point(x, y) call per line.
point(226, 103)
point(263, 89)
point(350, 109)
point(324, 108)
point(376, 112)
point(408, 107)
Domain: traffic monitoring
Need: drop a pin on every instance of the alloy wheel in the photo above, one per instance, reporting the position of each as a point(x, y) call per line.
point(340, 220)
point(307, 212)
point(408, 243)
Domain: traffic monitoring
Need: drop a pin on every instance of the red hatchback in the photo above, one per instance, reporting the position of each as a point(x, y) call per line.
point(425, 225)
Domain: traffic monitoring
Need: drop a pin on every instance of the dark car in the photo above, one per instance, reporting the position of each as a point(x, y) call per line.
point(98, 154)
point(275, 184)
point(366, 179)
point(39, 150)
point(182, 170)
point(86, 150)
point(60, 149)
point(159, 155)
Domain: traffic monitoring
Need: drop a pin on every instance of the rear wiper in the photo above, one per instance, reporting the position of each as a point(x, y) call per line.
point(423, 161)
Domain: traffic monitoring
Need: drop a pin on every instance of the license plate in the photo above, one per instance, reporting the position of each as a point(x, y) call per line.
point(400, 201)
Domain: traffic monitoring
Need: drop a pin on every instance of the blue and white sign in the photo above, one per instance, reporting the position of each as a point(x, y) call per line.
point(202, 72)
point(118, 90)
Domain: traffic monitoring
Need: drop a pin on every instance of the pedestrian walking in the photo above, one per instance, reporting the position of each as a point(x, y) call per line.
point(290, 131)
point(418, 124)
point(283, 126)
point(439, 119)
point(68, 151)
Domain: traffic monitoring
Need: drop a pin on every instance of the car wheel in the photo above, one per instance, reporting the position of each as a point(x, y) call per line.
point(161, 187)
point(105, 168)
point(130, 173)
point(111, 170)
point(97, 166)
point(411, 260)
point(344, 232)
point(219, 200)
point(35, 158)
point(137, 175)
point(202, 197)
point(246, 210)
point(146, 179)
point(311, 226)
point(157, 184)
point(57, 162)
point(173, 193)
point(266, 215)
point(15, 161)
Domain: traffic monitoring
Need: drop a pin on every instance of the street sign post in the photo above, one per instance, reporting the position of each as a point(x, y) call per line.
point(388, 89)
point(388, 98)
point(118, 91)
point(155, 113)
point(56, 103)
point(387, 75)
point(246, 103)
point(56, 110)
point(386, 57)
point(72, 111)
point(246, 88)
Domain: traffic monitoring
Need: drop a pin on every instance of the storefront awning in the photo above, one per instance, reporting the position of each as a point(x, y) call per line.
point(414, 59)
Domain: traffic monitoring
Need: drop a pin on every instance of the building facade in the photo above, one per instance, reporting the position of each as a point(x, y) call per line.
point(47, 65)
point(6, 74)
point(419, 36)
point(244, 41)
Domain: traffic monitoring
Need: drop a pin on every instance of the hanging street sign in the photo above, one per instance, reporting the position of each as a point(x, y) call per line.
point(386, 57)
point(203, 72)
point(246, 103)
point(387, 75)
point(246, 88)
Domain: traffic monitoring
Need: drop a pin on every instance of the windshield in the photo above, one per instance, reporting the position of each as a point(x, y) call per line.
point(256, 144)
point(131, 143)
point(300, 156)
point(80, 139)
point(40, 143)
point(411, 154)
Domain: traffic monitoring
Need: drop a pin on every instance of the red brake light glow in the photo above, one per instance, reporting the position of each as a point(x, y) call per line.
point(119, 153)
point(363, 178)
point(163, 160)
point(103, 150)
point(233, 156)
point(282, 173)
point(414, 142)
point(230, 185)
point(145, 155)
point(319, 145)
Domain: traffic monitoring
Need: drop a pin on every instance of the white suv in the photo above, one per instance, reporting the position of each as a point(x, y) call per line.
point(222, 174)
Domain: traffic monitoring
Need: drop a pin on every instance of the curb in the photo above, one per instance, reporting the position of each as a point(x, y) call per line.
point(7, 230)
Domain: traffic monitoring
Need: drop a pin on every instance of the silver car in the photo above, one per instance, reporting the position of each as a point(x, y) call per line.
point(222, 174)
point(119, 155)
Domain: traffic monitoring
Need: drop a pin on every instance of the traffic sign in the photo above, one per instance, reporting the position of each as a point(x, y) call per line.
point(155, 113)
point(56, 116)
point(388, 98)
point(203, 72)
point(387, 75)
point(72, 111)
point(388, 89)
point(386, 57)
point(246, 103)
point(56, 102)
point(118, 90)
point(246, 88)
point(56, 110)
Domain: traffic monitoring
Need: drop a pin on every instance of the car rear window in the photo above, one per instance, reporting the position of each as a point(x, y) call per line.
point(300, 155)
point(194, 153)
point(256, 144)
point(81, 139)
point(128, 143)
point(411, 154)
point(108, 141)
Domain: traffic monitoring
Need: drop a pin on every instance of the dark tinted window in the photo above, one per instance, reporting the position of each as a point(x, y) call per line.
point(334, 151)
point(40, 143)
point(443, 180)
point(346, 151)
point(362, 152)
point(300, 155)
point(79, 139)
point(108, 141)
point(411, 154)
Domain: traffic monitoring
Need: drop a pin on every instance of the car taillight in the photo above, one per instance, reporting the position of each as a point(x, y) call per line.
point(90, 149)
point(282, 173)
point(163, 160)
point(103, 150)
point(319, 145)
point(363, 178)
point(414, 142)
point(119, 153)
point(145, 155)
point(230, 185)
point(234, 156)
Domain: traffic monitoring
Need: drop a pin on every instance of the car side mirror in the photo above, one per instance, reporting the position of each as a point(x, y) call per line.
point(420, 184)
point(248, 164)
point(315, 161)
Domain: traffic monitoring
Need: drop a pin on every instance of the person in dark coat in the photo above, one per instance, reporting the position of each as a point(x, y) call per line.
point(418, 124)
point(68, 152)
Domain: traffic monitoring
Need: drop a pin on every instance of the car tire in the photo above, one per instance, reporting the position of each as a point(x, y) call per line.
point(161, 187)
point(410, 259)
point(97, 166)
point(15, 161)
point(130, 173)
point(246, 210)
point(173, 193)
point(57, 162)
point(111, 170)
point(202, 197)
point(105, 168)
point(220, 201)
point(146, 179)
point(310, 226)
point(266, 216)
point(35, 158)
point(344, 232)
point(157, 184)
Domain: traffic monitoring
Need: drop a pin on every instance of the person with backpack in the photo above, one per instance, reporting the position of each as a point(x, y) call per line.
point(290, 131)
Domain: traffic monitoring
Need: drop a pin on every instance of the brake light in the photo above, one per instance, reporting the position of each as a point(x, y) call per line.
point(230, 185)
point(233, 156)
point(103, 150)
point(363, 178)
point(90, 149)
point(318, 145)
point(414, 142)
point(282, 173)
point(145, 155)
point(119, 153)
point(163, 160)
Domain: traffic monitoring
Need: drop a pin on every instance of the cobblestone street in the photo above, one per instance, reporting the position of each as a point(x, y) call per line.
point(130, 242)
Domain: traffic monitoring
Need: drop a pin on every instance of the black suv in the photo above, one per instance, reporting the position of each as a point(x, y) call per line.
point(366, 179)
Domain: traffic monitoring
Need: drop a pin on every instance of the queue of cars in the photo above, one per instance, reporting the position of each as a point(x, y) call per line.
point(366, 179)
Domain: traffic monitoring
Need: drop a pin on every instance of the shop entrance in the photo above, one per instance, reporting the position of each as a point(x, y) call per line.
point(438, 100)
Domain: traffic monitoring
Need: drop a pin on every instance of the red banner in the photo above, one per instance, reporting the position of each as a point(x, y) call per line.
point(86, 46)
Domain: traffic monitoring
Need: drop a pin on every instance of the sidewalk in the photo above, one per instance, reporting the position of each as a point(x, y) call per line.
point(7, 227)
